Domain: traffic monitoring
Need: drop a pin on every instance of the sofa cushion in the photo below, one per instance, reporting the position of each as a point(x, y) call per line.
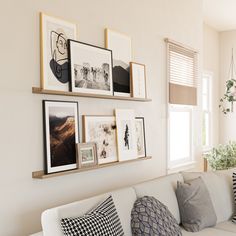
point(150, 217)
point(219, 185)
point(227, 226)
point(209, 232)
point(196, 209)
point(163, 189)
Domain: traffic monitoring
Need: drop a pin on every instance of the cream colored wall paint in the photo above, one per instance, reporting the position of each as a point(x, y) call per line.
point(227, 122)
point(147, 22)
point(211, 59)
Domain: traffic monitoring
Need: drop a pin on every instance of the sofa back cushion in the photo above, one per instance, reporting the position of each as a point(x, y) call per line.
point(123, 200)
point(163, 189)
point(219, 184)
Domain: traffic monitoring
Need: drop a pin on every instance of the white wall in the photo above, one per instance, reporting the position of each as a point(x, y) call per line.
point(22, 198)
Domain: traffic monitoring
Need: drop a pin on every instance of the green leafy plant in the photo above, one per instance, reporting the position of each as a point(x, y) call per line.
point(222, 157)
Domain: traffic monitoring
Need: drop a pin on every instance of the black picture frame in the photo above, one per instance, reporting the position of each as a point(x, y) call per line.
point(144, 136)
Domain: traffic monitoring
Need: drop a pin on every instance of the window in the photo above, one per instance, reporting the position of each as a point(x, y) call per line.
point(206, 111)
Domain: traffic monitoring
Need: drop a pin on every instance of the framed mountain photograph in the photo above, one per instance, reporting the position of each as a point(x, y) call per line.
point(120, 44)
point(61, 133)
point(54, 33)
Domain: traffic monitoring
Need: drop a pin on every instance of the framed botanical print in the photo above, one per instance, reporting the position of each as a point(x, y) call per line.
point(102, 131)
point(126, 134)
point(138, 80)
point(54, 52)
point(140, 136)
point(61, 133)
point(90, 68)
point(120, 44)
point(87, 154)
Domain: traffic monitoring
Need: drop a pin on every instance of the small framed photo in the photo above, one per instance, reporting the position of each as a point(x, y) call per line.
point(140, 135)
point(61, 133)
point(54, 52)
point(126, 134)
point(90, 68)
point(87, 155)
point(138, 80)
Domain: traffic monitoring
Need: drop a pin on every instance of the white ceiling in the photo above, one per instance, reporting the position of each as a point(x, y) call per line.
point(220, 14)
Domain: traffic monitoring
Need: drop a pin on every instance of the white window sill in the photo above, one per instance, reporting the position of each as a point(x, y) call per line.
point(181, 167)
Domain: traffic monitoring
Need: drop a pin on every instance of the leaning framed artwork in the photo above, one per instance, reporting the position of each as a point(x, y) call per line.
point(140, 136)
point(120, 44)
point(61, 133)
point(126, 134)
point(102, 131)
point(54, 33)
point(90, 68)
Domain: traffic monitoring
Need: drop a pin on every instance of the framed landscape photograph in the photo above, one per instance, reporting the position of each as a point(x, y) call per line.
point(102, 131)
point(120, 44)
point(126, 134)
point(61, 133)
point(90, 69)
point(54, 52)
point(138, 80)
point(140, 136)
point(87, 154)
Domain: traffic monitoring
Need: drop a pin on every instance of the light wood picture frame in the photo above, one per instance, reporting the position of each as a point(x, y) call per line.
point(54, 33)
point(138, 80)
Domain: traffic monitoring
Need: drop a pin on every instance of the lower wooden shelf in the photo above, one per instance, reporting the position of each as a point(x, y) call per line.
point(41, 175)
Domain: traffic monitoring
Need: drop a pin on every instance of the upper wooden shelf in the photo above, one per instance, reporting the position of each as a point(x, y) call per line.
point(41, 175)
point(88, 95)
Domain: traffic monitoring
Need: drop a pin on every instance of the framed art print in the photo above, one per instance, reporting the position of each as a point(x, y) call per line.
point(102, 131)
point(140, 136)
point(126, 134)
point(90, 69)
point(120, 44)
point(87, 154)
point(54, 52)
point(138, 80)
point(60, 135)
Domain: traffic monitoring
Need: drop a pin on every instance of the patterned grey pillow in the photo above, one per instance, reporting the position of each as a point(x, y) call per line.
point(150, 217)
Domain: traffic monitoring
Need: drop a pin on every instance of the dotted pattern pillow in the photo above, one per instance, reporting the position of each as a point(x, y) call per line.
point(150, 217)
point(101, 221)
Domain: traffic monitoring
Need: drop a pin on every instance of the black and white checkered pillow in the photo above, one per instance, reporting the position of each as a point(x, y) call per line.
point(101, 221)
point(234, 190)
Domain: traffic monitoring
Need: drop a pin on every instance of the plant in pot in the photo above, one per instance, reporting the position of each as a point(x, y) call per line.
point(223, 157)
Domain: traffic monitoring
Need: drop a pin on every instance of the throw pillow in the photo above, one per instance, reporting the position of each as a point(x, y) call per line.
point(150, 217)
point(234, 191)
point(196, 208)
point(103, 220)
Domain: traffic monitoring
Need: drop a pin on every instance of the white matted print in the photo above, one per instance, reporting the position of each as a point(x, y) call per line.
point(140, 135)
point(61, 135)
point(138, 80)
point(102, 131)
point(54, 52)
point(120, 44)
point(126, 134)
point(90, 68)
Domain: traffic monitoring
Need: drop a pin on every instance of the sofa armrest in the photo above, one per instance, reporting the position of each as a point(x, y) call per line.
point(37, 234)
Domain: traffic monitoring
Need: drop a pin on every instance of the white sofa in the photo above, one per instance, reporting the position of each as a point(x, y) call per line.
point(218, 183)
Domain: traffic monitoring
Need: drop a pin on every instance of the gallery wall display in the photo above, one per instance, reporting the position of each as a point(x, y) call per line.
point(61, 133)
point(54, 52)
point(102, 131)
point(87, 155)
point(120, 44)
point(140, 136)
point(90, 68)
point(126, 134)
point(138, 80)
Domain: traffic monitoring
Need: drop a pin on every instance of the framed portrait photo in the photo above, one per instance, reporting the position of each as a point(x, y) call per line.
point(140, 136)
point(61, 133)
point(120, 44)
point(87, 154)
point(102, 131)
point(126, 134)
point(90, 68)
point(54, 52)
point(138, 80)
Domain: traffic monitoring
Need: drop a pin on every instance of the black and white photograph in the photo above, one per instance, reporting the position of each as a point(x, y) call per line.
point(127, 142)
point(61, 135)
point(120, 44)
point(54, 52)
point(140, 135)
point(90, 68)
